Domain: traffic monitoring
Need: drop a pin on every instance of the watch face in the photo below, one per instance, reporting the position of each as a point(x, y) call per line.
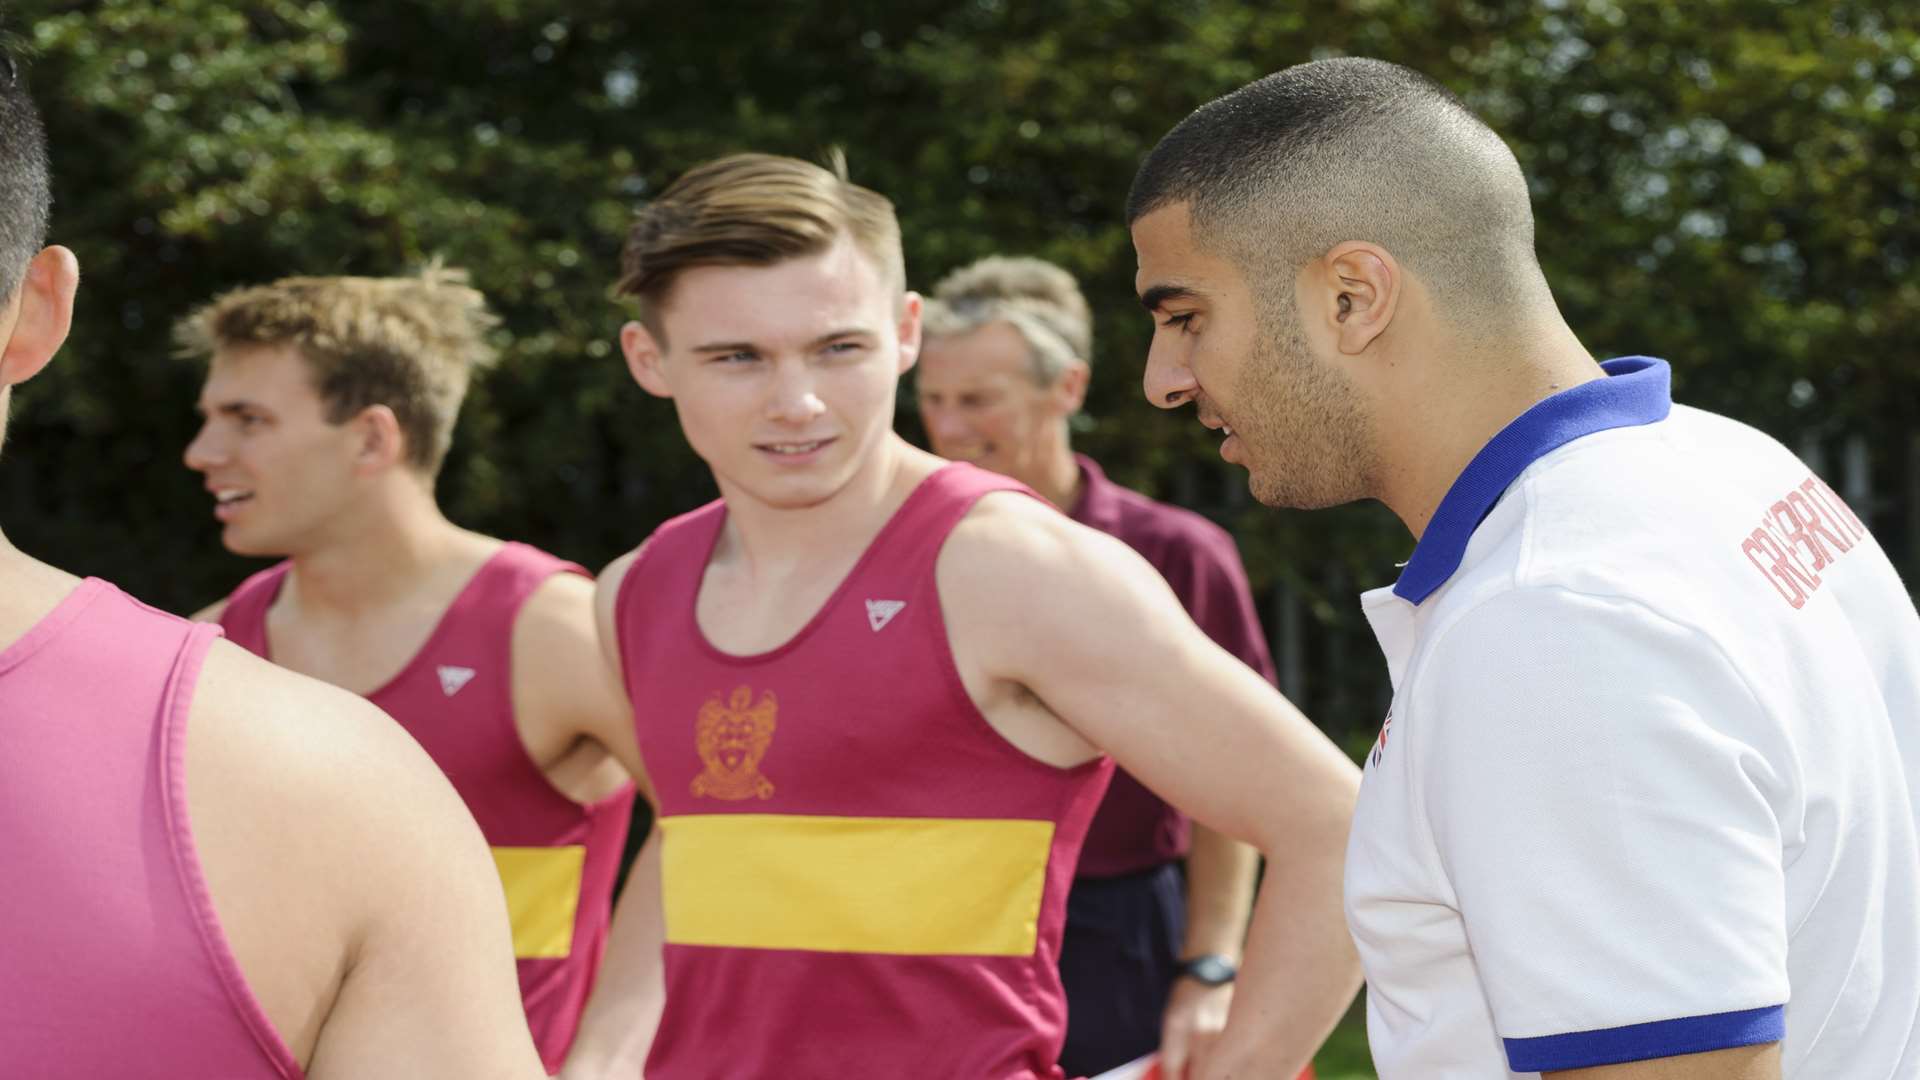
point(1209, 970)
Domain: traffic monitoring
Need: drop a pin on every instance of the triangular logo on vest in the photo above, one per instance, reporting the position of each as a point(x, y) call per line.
point(881, 612)
point(453, 678)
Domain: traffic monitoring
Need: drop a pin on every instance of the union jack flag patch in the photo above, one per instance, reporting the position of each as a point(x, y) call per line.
point(1380, 744)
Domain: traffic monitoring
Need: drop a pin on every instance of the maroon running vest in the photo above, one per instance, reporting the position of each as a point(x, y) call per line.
point(860, 877)
point(557, 858)
point(112, 960)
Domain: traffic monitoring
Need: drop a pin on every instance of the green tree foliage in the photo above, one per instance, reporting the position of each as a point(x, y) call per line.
point(1729, 183)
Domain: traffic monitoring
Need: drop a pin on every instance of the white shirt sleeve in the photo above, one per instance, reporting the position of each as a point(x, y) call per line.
point(1606, 798)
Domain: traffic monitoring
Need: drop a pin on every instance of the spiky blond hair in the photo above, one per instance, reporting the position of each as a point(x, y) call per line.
point(410, 343)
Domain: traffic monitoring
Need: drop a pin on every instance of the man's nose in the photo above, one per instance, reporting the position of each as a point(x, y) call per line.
point(794, 397)
point(1168, 382)
point(944, 425)
point(204, 451)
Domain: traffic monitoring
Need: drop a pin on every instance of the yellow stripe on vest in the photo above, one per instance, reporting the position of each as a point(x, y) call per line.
point(903, 886)
point(543, 893)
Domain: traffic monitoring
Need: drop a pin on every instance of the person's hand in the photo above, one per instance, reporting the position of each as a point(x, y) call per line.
point(1196, 1014)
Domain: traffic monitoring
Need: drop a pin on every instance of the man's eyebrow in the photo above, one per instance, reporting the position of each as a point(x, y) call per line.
point(1157, 296)
point(848, 332)
point(748, 346)
point(226, 408)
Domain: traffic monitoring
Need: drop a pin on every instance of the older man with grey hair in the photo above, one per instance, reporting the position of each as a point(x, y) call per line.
point(1150, 951)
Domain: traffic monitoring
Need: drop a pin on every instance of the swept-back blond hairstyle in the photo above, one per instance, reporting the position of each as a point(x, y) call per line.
point(1039, 300)
point(409, 343)
point(753, 210)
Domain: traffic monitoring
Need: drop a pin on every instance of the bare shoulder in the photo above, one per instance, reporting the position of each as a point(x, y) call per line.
point(1016, 548)
point(1010, 527)
point(607, 582)
point(243, 701)
point(1026, 588)
point(563, 604)
point(555, 640)
point(606, 598)
point(327, 764)
point(322, 830)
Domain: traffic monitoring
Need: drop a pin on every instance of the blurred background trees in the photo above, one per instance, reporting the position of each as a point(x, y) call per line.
point(1731, 184)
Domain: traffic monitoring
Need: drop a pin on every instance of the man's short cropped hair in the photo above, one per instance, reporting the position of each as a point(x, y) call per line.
point(409, 343)
point(1040, 300)
point(753, 210)
point(25, 191)
point(1280, 171)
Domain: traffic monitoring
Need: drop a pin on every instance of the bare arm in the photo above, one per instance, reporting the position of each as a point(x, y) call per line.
point(210, 613)
point(616, 1031)
point(1084, 624)
point(617, 1027)
point(1740, 1063)
point(1220, 877)
point(1207, 576)
point(432, 991)
point(1220, 880)
point(354, 887)
point(567, 703)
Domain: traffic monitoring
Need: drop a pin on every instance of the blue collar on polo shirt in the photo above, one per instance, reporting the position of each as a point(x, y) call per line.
point(1637, 391)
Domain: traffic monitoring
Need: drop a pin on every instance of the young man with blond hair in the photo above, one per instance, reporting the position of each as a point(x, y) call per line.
point(330, 405)
point(214, 867)
point(872, 690)
point(1644, 804)
point(1159, 906)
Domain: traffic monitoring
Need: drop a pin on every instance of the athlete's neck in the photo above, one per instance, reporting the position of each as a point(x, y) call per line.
point(1438, 419)
point(381, 557)
point(29, 589)
point(15, 563)
point(773, 542)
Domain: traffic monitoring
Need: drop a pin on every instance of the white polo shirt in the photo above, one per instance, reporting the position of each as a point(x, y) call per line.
point(1647, 786)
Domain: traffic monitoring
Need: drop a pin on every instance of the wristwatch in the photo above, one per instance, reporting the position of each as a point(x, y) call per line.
point(1211, 969)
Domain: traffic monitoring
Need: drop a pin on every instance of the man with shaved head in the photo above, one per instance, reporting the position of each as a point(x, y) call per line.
point(1643, 806)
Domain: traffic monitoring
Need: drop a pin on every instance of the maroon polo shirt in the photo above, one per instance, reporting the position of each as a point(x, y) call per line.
point(1134, 830)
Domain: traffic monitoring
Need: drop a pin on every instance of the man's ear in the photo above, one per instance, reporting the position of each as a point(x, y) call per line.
point(1070, 388)
point(644, 357)
point(1358, 286)
point(910, 330)
point(42, 314)
point(380, 444)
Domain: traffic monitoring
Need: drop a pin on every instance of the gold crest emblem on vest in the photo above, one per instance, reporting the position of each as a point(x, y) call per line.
point(731, 737)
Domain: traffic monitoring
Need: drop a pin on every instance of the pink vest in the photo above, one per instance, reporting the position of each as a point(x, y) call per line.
point(860, 877)
point(112, 960)
point(557, 858)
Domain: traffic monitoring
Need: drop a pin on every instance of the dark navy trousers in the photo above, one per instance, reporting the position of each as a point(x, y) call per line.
point(1118, 959)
